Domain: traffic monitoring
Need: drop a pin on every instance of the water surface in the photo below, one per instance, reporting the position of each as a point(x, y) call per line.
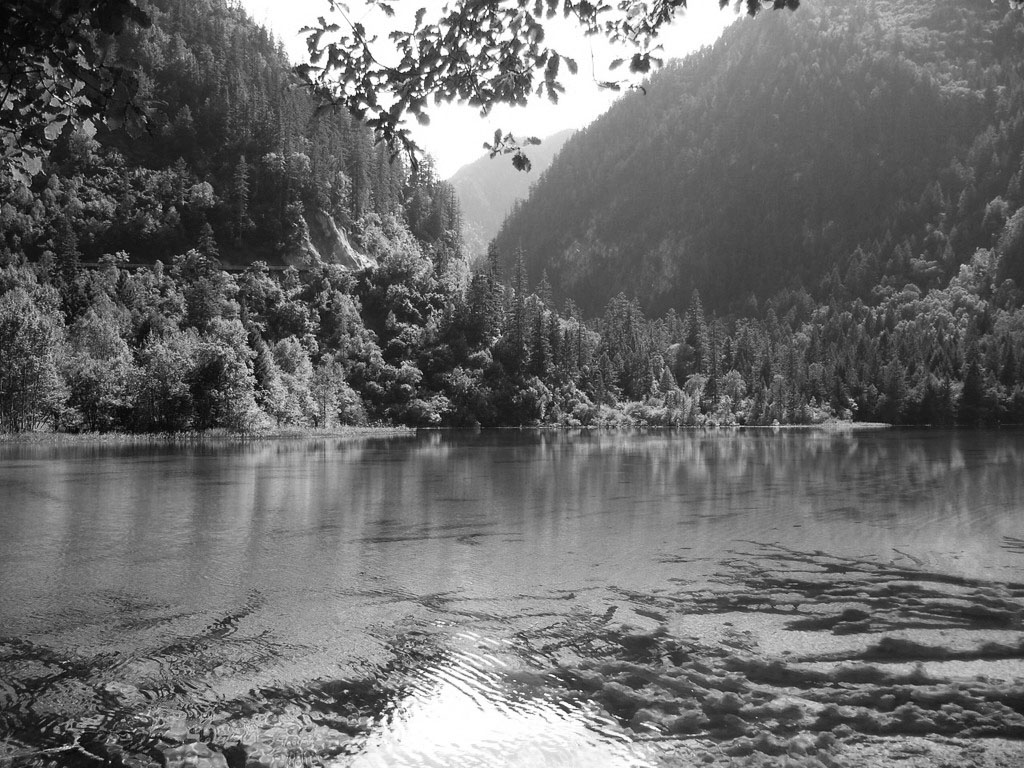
point(427, 600)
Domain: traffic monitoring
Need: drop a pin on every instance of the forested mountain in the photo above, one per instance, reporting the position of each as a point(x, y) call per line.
point(825, 148)
point(236, 156)
point(488, 187)
point(896, 203)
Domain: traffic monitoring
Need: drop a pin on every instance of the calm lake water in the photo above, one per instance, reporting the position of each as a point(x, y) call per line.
point(423, 600)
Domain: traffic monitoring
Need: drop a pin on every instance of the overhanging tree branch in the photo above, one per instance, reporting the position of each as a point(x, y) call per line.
point(479, 52)
point(56, 77)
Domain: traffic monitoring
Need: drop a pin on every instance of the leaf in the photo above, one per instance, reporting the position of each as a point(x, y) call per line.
point(422, 118)
point(388, 10)
point(616, 63)
point(521, 162)
point(54, 129)
point(32, 165)
point(551, 71)
point(571, 64)
point(641, 62)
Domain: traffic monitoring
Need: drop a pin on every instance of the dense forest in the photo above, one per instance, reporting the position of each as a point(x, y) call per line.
point(830, 148)
point(254, 261)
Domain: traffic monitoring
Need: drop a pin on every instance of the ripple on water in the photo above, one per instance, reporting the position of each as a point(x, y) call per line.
point(483, 709)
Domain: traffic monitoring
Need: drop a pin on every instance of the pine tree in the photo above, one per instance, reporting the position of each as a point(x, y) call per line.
point(240, 199)
point(493, 263)
point(554, 335)
point(716, 336)
point(208, 242)
point(519, 316)
point(544, 291)
point(68, 267)
point(697, 336)
point(540, 343)
point(667, 383)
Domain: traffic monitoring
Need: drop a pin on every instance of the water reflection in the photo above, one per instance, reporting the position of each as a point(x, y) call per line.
point(158, 594)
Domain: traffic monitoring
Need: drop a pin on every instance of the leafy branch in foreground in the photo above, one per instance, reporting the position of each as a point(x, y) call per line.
point(55, 74)
point(478, 52)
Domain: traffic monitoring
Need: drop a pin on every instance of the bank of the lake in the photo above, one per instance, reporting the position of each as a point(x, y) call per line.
point(212, 435)
point(49, 437)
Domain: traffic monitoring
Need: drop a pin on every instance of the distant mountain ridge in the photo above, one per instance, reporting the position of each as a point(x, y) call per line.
point(488, 187)
point(816, 148)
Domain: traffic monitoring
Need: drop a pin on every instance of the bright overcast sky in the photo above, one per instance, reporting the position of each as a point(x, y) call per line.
point(456, 133)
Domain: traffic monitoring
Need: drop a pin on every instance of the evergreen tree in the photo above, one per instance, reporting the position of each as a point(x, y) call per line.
point(208, 242)
point(540, 342)
point(696, 338)
point(240, 199)
point(519, 317)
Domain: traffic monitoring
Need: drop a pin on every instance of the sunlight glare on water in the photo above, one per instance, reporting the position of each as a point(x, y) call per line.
point(464, 713)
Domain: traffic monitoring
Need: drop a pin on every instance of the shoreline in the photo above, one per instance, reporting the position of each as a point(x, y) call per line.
point(305, 433)
point(208, 436)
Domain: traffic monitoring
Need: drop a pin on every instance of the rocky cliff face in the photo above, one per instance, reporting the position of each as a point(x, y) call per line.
point(333, 244)
point(327, 244)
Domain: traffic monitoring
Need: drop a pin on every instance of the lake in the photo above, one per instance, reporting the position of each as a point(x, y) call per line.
point(516, 598)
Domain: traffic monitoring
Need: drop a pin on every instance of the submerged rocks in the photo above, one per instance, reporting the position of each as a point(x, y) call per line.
point(193, 755)
point(792, 679)
point(692, 721)
point(865, 664)
point(722, 703)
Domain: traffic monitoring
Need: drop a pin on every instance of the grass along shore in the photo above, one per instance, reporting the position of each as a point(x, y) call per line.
point(210, 435)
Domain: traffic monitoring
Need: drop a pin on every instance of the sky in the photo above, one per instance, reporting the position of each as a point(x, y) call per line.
point(457, 132)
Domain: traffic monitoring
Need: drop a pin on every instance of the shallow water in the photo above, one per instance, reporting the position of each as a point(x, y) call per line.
point(427, 600)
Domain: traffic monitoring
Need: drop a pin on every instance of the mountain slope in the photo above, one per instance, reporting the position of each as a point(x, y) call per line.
point(237, 158)
point(488, 187)
point(765, 161)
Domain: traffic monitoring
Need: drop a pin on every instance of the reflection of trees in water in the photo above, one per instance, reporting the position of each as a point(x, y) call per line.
point(372, 500)
point(435, 475)
point(873, 474)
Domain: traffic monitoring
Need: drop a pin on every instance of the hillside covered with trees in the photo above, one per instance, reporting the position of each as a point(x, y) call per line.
point(254, 262)
point(236, 155)
point(821, 149)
